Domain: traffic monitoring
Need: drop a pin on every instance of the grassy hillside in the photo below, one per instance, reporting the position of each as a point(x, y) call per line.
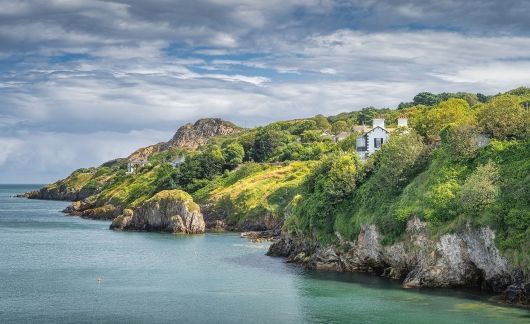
point(254, 190)
point(464, 160)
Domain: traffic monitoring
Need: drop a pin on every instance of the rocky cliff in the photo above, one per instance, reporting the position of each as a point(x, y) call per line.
point(189, 136)
point(58, 193)
point(170, 211)
point(192, 136)
point(465, 259)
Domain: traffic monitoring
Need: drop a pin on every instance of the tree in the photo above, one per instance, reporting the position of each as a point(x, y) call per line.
point(430, 123)
point(322, 122)
point(341, 178)
point(483, 98)
point(366, 115)
point(392, 167)
point(339, 126)
point(311, 136)
point(303, 126)
point(267, 143)
point(461, 140)
point(480, 189)
point(233, 155)
point(504, 118)
point(247, 140)
point(211, 161)
point(425, 98)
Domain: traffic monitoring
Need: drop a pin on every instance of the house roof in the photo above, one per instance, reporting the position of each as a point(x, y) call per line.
point(372, 129)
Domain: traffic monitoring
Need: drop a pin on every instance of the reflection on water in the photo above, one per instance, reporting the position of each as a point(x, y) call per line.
point(51, 264)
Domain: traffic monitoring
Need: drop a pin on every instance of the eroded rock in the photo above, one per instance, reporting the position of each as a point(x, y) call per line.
point(465, 259)
point(170, 211)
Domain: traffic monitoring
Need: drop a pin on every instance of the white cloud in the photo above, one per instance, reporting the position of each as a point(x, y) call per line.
point(147, 67)
point(45, 156)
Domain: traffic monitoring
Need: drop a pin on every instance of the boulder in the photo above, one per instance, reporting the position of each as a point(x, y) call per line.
point(170, 211)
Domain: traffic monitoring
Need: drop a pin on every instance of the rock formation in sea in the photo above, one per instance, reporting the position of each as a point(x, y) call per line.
point(170, 211)
point(465, 259)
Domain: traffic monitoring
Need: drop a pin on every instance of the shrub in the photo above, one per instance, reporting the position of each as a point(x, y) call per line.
point(480, 189)
point(504, 118)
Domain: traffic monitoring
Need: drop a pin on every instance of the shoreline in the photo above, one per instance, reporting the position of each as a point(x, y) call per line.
point(274, 236)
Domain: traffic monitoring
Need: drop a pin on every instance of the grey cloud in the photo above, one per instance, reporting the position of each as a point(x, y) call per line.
point(40, 157)
point(145, 67)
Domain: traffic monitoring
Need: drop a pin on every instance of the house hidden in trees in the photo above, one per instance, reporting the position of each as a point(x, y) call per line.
point(372, 139)
point(133, 165)
point(178, 161)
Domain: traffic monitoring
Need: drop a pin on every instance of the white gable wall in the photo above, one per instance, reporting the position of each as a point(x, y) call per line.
point(377, 132)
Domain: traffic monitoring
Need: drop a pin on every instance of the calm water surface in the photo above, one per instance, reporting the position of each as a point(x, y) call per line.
point(49, 264)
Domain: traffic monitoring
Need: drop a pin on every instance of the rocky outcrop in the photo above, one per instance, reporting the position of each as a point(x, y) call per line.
point(189, 136)
point(170, 211)
point(144, 153)
point(60, 193)
point(218, 220)
point(465, 259)
point(192, 136)
point(105, 212)
point(261, 236)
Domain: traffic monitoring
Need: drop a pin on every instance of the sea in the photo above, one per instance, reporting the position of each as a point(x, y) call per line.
point(56, 268)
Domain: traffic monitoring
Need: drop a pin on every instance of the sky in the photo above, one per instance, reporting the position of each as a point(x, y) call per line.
point(86, 81)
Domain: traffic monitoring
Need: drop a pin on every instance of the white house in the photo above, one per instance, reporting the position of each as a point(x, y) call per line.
point(133, 165)
point(341, 136)
point(178, 161)
point(372, 139)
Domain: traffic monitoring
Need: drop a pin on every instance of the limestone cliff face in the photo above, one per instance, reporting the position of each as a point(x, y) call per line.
point(465, 259)
point(189, 136)
point(170, 211)
point(192, 136)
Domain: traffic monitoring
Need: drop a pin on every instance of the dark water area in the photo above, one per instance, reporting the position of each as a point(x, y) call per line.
point(50, 264)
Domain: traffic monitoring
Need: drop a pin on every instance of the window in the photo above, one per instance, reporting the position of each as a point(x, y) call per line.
point(378, 142)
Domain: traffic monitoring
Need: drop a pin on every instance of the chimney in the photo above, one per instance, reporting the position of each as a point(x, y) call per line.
point(402, 121)
point(378, 122)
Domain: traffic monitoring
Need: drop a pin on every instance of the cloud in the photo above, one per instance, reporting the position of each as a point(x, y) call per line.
point(87, 81)
point(39, 157)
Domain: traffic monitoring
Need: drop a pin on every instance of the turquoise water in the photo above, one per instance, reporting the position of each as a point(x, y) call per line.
point(49, 265)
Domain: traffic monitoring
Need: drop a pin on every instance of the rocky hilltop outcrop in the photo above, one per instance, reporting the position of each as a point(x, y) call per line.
point(193, 135)
point(190, 136)
point(170, 211)
point(465, 259)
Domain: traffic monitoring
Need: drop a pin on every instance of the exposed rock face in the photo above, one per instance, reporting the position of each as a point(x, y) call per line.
point(216, 220)
point(170, 211)
point(60, 193)
point(189, 136)
point(145, 152)
point(466, 259)
point(192, 136)
point(105, 212)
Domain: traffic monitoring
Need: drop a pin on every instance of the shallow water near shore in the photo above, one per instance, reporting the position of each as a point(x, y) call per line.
point(50, 266)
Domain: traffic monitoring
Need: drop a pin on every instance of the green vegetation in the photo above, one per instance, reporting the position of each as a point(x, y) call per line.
point(464, 161)
point(255, 190)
